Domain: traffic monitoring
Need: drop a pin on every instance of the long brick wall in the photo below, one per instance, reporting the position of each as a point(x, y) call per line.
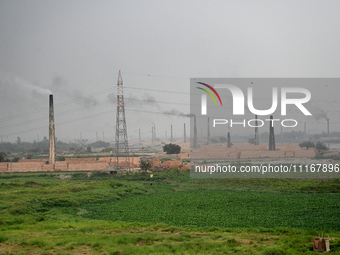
point(70, 164)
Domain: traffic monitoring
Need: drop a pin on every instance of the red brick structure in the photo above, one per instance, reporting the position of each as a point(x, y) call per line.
point(70, 164)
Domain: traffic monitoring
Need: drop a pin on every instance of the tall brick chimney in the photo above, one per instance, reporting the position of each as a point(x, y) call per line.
point(228, 141)
point(171, 139)
point(208, 136)
point(185, 135)
point(256, 132)
point(52, 145)
point(195, 133)
point(271, 135)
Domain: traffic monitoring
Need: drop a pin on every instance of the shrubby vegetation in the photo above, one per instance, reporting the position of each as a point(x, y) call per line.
point(172, 148)
point(321, 147)
point(138, 214)
point(145, 165)
point(307, 145)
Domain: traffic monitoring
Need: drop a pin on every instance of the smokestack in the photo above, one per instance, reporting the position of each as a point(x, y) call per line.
point(103, 137)
point(195, 133)
point(154, 132)
point(328, 133)
point(139, 136)
point(228, 141)
point(52, 140)
point(96, 136)
point(256, 132)
point(208, 141)
point(152, 136)
point(185, 135)
point(305, 130)
point(171, 139)
point(327, 127)
point(271, 135)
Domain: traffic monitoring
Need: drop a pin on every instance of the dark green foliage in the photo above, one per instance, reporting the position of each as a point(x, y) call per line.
point(223, 139)
point(3, 239)
point(107, 150)
point(172, 148)
point(43, 214)
point(60, 158)
point(213, 140)
point(251, 140)
point(307, 145)
point(225, 209)
point(16, 159)
point(100, 144)
point(321, 147)
point(2, 157)
point(145, 164)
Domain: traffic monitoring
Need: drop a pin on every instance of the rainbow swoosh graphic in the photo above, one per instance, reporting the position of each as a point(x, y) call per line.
point(209, 93)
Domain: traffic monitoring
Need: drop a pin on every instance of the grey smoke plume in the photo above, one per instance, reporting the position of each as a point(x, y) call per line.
point(318, 113)
point(177, 113)
point(146, 100)
point(14, 80)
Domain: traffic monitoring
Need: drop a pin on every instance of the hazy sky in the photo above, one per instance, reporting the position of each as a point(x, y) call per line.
point(75, 49)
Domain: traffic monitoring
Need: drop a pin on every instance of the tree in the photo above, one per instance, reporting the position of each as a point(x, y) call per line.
point(145, 164)
point(88, 149)
point(251, 140)
point(172, 148)
point(307, 145)
point(321, 147)
point(213, 140)
point(2, 157)
point(223, 139)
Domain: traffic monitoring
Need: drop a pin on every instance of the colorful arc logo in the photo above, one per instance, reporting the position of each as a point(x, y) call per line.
point(209, 93)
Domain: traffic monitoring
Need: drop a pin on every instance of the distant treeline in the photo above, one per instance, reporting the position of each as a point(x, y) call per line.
point(42, 146)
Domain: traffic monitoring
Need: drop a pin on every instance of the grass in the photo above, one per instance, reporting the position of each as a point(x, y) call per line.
point(167, 214)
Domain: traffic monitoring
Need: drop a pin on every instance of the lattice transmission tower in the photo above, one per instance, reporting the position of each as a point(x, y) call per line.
point(121, 142)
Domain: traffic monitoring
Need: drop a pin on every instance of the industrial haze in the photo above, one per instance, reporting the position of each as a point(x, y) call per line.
point(75, 49)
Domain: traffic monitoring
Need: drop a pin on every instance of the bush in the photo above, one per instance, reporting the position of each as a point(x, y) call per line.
point(307, 145)
point(2, 157)
point(223, 139)
point(321, 147)
point(252, 141)
point(172, 148)
point(145, 164)
point(213, 140)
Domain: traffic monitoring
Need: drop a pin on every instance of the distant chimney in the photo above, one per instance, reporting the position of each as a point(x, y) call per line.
point(256, 132)
point(208, 139)
point(195, 133)
point(327, 127)
point(271, 135)
point(185, 135)
point(52, 140)
point(152, 135)
point(154, 132)
point(228, 141)
point(139, 140)
point(329, 146)
point(171, 135)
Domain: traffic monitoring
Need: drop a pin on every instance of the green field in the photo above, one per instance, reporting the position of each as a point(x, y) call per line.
point(170, 213)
